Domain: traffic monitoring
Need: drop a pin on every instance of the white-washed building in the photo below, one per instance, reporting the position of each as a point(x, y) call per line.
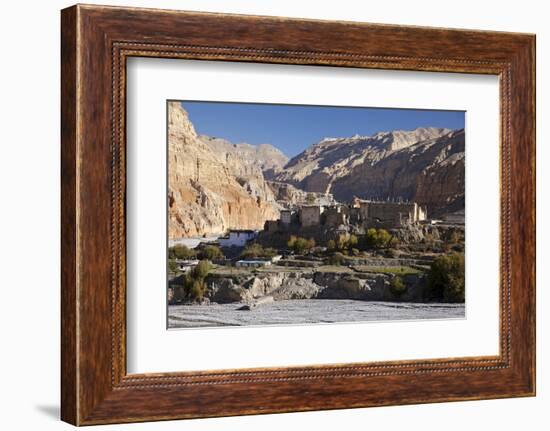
point(186, 265)
point(237, 238)
point(249, 263)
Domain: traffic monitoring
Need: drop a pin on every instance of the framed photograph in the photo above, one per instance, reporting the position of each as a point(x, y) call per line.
point(265, 215)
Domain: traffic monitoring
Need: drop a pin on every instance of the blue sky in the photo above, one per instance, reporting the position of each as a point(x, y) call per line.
point(293, 128)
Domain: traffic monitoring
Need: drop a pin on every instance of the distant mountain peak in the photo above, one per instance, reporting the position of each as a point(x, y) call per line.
point(397, 139)
point(264, 156)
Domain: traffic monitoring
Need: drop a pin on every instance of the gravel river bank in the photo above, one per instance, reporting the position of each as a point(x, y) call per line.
point(308, 311)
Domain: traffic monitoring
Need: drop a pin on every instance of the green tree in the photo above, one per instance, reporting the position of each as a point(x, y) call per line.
point(211, 252)
point(197, 290)
point(429, 240)
point(377, 238)
point(384, 238)
point(291, 242)
point(172, 265)
point(200, 271)
point(342, 242)
point(194, 281)
point(336, 259)
point(352, 241)
point(180, 251)
point(331, 245)
point(454, 237)
point(446, 278)
point(397, 286)
point(256, 250)
point(299, 244)
point(371, 237)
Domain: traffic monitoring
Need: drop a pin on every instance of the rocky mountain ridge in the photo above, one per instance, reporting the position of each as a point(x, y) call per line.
point(215, 185)
point(262, 157)
point(425, 165)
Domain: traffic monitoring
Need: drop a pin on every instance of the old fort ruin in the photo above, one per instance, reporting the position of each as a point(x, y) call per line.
point(361, 213)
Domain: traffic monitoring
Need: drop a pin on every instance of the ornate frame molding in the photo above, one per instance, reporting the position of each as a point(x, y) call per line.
point(96, 41)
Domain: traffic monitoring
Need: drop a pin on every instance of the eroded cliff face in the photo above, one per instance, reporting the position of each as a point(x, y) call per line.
point(429, 172)
point(321, 164)
point(306, 285)
point(289, 196)
point(245, 158)
point(206, 194)
point(425, 165)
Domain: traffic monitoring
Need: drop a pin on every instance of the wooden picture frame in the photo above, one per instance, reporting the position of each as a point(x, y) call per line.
point(96, 41)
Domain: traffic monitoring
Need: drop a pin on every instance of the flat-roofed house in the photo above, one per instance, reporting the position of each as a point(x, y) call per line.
point(251, 263)
point(336, 215)
point(391, 214)
point(286, 216)
point(238, 238)
point(271, 226)
point(310, 215)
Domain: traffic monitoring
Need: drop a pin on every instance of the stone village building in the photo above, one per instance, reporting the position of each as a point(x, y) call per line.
point(390, 214)
point(289, 216)
point(237, 238)
point(310, 215)
point(365, 213)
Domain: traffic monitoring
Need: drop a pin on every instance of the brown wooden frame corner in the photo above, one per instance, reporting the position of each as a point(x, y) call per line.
point(95, 43)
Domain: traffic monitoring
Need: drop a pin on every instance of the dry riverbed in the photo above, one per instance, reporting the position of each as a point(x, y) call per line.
point(289, 312)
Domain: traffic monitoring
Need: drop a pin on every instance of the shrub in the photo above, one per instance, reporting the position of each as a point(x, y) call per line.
point(300, 245)
point(429, 239)
point(331, 245)
point(172, 265)
point(397, 286)
point(200, 271)
point(454, 237)
point(198, 289)
point(252, 251)
point(394, 242)
point(336, 259)
point(256, 250)
point(291, 242)
point(355, 251)
point(377, 238)
point(181, 251)
point(345, 242)
point(446, 278)
point(371, 237)
point(458, 247)
point(194, 281)
point(211, 252)
point(342, 242)
point(384, 237)
point(391, 252)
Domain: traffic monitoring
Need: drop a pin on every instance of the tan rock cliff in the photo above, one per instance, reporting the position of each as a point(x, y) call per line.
point(425, 165)
point(207, 195)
